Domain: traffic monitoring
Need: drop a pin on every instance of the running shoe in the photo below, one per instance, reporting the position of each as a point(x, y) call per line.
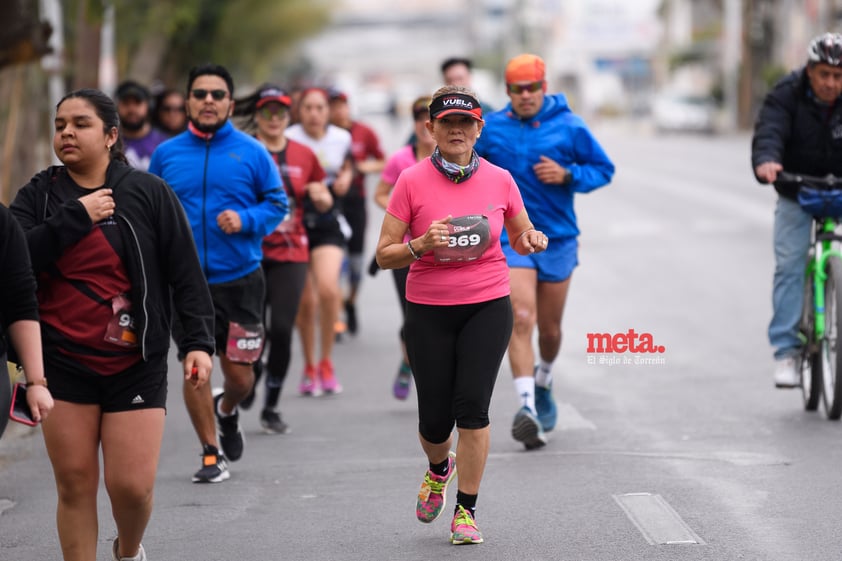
point(115, 556)
point(351, 317)
point(403, 381)
point(463, 529)
point(309, 382)
point(231, 437)
point(214, 467)
point(327, 377)
point(272, 423)
point(432, 496)
point(787, 373)
point(527, 429)
point(546, 408)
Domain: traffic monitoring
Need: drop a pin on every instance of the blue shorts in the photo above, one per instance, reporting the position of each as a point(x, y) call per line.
point(555, 264)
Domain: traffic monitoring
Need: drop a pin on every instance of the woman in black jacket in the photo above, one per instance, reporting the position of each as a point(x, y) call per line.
point(109, 245)
point(19, 320)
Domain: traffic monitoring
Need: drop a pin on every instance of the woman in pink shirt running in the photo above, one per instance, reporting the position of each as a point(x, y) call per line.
point(453, 206)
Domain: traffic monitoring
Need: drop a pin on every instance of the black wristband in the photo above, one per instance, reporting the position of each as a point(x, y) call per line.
point(416, 256)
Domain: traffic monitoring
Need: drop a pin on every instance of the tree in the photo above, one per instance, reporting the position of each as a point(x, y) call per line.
point(163, 39)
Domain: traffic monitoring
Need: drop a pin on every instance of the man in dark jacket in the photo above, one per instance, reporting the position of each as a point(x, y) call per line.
point(799, 130)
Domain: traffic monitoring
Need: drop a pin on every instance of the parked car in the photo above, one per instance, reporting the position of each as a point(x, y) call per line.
point(684, 113)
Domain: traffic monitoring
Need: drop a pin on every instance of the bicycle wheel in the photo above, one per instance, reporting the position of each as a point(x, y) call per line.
point(831, 357)
point(811, 363)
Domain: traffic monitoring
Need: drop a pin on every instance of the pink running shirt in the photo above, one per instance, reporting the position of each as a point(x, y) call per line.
point(422, 194)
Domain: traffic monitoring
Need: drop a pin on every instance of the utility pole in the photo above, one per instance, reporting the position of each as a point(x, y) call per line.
point(744, 94)
point(731, 59)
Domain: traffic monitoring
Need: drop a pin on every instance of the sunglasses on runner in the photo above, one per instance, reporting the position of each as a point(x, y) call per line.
point(273, 110)
point(172, 108)
point(217, 95)
point(531, 87)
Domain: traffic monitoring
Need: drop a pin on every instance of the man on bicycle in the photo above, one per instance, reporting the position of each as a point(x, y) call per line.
point(799, 130)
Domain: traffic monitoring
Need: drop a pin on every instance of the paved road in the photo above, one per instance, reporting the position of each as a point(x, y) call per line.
point(698, 447)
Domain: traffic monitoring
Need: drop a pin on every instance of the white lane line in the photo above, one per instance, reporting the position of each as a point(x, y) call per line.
point(657, 520)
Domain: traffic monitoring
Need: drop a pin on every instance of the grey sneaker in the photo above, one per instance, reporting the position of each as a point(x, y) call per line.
point(527, 429)
point(141, 555)
point(787, 374)
point(272, 423)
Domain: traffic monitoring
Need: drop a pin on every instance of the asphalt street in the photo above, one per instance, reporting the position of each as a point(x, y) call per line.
point(686, 454)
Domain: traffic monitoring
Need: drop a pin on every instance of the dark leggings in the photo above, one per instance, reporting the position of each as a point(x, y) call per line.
point(5, 395)
point(455, 354)
point(284, 285)
point(399, 276)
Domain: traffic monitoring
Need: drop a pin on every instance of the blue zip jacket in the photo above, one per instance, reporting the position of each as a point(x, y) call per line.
point(228, 170)
point(516, 144)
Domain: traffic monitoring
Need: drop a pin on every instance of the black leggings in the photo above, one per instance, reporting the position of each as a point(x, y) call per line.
point(455, 354)
point(284, 285)
point(399, 276)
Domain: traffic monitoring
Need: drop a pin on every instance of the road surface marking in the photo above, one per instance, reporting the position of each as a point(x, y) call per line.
point(656, 519)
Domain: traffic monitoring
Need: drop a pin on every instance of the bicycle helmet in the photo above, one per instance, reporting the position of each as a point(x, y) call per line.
point(826, 48)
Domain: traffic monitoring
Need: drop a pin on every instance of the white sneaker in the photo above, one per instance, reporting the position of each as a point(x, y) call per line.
point(787, 373)
point(141, 555)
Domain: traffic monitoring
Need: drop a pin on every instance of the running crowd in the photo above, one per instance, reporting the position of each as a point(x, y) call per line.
point(225, 223)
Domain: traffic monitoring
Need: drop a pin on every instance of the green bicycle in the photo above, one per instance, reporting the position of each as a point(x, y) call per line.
point(821, 318)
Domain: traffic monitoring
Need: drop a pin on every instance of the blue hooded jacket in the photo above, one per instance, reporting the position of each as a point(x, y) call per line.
point(516, 144)
point(226, 170)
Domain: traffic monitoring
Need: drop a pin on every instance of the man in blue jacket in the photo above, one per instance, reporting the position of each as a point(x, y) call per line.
point(233, 196)
point(552, 155)
point(798, 129)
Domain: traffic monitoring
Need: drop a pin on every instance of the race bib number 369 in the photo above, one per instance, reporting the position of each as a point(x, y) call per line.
point(469, 237)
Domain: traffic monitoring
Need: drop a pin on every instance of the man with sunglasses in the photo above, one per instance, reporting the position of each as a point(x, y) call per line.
point(233, 195)
point(552, 155)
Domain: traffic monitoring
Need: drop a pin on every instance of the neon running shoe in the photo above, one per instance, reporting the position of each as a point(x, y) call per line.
point(527, 429)
point(545, 407)
point(463, 529)
point(432, 496)
point(309, 382)
point(403, 380)
point(328, 378)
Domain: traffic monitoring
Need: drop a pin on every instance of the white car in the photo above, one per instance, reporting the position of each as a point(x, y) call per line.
point(681, 112)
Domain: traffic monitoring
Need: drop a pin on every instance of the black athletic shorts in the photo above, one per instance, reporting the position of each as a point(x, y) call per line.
point(241, 301)
point(142, 386)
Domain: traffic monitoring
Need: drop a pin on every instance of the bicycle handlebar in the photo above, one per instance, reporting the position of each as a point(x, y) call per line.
point(828, 181)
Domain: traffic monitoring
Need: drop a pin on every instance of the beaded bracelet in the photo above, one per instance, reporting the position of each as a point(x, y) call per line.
point(412, 251)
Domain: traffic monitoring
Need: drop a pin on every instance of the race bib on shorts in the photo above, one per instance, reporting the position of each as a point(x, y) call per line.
point(245, 342)
point(469, 237)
